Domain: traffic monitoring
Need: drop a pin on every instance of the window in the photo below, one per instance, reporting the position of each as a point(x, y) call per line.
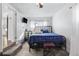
point(37, 23)
point(32, 25)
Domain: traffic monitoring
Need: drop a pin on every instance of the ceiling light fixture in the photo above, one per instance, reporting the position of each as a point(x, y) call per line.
point(40, 5)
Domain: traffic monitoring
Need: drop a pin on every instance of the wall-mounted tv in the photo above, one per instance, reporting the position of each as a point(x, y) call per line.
point(24, 20)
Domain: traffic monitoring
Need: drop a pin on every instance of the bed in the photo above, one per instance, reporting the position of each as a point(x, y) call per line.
point(38, 40)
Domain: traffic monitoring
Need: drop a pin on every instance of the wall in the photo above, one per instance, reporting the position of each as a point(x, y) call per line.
point(77, 30)
point(20, 27)
point(62, 24)
point(75, 39)
point(0, 27)
point(38, 19)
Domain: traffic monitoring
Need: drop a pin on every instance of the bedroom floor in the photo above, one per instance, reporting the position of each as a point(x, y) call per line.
point(25, 52)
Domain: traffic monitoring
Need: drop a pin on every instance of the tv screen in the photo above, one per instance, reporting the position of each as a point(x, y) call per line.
point(24, 20)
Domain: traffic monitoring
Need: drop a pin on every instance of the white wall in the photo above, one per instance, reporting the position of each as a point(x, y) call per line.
point(77, 30)
point(62, 24)
point(66, 22)
point(75, 40)
point(20, 27)
point(0, 27)
point(38, 19)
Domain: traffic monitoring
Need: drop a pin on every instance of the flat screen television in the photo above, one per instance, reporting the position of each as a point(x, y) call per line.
point(24, 20)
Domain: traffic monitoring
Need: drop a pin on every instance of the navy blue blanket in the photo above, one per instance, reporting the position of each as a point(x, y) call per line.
point(46, 37)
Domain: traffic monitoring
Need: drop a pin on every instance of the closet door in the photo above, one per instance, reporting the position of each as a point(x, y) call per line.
point(11, 27)
point(4, 26)
point(8, 25)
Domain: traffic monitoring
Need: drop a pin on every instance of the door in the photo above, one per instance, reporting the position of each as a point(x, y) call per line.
point(11, 27)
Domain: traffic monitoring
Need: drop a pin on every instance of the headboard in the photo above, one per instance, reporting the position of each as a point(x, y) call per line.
point(39, 28)
point(47, 28)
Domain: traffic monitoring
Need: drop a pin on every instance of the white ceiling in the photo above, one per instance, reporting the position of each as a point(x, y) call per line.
point(31, 9)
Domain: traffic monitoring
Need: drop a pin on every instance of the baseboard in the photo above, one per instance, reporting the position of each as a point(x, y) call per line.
point(5, 49)
point(17, 50)
point(13, 52)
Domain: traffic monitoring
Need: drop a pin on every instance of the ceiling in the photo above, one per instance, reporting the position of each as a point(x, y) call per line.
point(31, 9)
